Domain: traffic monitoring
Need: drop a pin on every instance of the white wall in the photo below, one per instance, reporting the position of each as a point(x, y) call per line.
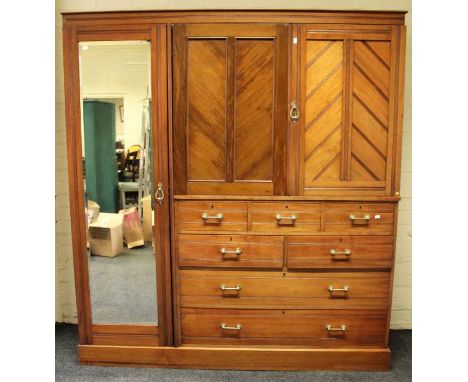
point(118, 71)
point(65, 292)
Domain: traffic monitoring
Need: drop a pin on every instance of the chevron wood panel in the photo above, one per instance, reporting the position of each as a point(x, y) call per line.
point(206, 89)
point(253, 115)
point(370, 110)
point(323, 111)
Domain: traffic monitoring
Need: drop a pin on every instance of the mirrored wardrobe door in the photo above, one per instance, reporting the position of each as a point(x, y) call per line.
point(116, 135)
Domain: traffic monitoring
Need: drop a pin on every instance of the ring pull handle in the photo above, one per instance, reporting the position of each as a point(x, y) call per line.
point(236, 251)
point(333, 252)
point(159, 196)
point(341, 328)
point(294, 112)
point(332, 289)
point(353, 218)
point(218, 217)
point(224, 326)
point(237, 288)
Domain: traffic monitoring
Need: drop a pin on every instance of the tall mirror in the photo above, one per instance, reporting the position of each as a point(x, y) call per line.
point(116, 135)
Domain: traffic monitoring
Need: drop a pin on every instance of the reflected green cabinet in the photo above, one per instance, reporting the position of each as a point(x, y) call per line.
point(100, 158)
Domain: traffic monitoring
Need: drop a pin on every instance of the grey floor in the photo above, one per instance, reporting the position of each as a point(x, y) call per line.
point(123, 288)
point(68, 369)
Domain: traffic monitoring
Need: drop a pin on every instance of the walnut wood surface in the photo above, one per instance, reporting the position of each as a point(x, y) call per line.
point(230, 93)
point(222, 83)
point(205, 251)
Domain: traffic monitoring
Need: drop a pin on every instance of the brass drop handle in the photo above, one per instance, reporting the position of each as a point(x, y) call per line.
point(332, 289)
point(237, 288)
point(227, 327)
point(333, 252)
point(218, 217)
point(236, 251)
point(341, 328)
point(279, 217)
point(159, 196)
point(353, 218)
point(294, 112)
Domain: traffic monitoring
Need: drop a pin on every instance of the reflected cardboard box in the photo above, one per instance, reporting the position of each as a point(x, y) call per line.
point(148, 218)
point(91, 212)
point(106, 236)
point(131, 227)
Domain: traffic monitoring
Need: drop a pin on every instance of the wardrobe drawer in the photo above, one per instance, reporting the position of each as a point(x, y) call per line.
point(230, 251)
point(286, 217)
point(357, 218)
point(283, 327)
point(257, 290)
point(211, 216)
point(340, 251)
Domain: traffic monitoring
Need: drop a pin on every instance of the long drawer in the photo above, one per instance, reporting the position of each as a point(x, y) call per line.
point(286, 217)
point(340, 252)
point(359, 219)
point(283, 327)
point(257, 290)
point(230, 251)
point(211, 216)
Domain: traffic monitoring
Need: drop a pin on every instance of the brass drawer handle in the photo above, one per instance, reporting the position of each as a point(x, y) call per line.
point(218, 217)
point(279, 217)
point(224, 326)
point(332, 289)
point(237, 252)
point(342, 328)
point(333, 252)
point(352, 218)
point(236, 288)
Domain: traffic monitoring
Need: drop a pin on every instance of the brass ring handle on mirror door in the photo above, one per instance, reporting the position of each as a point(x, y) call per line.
point(159, 196)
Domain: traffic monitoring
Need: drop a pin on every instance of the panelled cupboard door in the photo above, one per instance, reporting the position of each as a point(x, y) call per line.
point(348, 96)
point(230, 102)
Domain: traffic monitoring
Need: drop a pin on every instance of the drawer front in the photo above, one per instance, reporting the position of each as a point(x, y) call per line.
point(300, 327)
point(230, 251)
point(211, 216)
point(356, 218)
point(340, 251)
point(262, 290)
point(286, 217)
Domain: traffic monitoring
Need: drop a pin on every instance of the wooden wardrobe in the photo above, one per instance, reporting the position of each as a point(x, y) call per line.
point(277, 144)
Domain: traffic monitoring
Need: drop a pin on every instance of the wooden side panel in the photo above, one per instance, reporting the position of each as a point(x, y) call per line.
point(254, 101)
point(370, 110)
point(323, 111)
point(206, 93)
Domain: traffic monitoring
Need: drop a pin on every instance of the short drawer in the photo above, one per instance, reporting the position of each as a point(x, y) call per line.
point(283, 327)
point(269, 289)
point(340, 251)
point(230, 251)
point(286, 217)
point(356, 218)
point(211, 216)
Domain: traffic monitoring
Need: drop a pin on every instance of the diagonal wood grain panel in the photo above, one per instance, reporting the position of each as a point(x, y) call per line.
point(253, 115)
point(323, 111)
point(206, 84)
point(370, 110)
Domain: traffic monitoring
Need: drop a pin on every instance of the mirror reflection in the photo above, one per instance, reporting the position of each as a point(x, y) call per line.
point(116, 152)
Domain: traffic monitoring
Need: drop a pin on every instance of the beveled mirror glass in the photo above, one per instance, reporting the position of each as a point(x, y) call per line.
point(117, 172)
